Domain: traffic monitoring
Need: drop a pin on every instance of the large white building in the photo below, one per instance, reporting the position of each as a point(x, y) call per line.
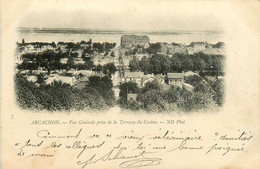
point(129, 41)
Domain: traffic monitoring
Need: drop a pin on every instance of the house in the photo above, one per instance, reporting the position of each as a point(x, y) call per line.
point(64, 79)
point(198, 46)
point(101, 60)
point(151, 77)
point(83, 72)
point(175, 78)
point(86, 73)
point(135, 77)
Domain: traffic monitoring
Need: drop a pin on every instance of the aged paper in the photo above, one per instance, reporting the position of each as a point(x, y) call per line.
point(137, 129)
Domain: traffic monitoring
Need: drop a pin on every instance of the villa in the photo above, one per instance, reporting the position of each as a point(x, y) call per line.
point(175, 78)
point(136, 77)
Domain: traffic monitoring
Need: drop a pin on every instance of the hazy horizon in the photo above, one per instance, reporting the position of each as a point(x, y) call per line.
point(123, 15)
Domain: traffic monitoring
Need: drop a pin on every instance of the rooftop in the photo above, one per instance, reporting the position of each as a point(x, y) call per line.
point(175, 75)
point(135, 36)
point(198, 43)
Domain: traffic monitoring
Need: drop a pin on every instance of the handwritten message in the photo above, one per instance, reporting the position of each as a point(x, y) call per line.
point(128, 149)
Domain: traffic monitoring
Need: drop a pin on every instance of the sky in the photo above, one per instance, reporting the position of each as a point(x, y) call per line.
point(122, 15)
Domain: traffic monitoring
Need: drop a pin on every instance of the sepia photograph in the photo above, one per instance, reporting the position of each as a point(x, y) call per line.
point(79, 65)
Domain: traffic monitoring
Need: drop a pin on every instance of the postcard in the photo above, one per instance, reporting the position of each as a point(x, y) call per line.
point(130, 84)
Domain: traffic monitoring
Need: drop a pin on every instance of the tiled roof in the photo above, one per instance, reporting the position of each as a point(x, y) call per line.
point(175, 75)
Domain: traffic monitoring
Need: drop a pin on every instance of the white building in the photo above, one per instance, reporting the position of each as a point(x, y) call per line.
point(175, 78)
point(136, 77)
point(64, 79)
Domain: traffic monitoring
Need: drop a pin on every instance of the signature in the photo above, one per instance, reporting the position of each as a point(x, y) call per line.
point(118, 154)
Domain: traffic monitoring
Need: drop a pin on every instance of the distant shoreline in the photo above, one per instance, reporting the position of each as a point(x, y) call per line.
point(110, 31)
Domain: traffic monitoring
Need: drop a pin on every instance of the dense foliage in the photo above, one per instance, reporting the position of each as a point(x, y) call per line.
point(58, 96)
point(212, 65)
point(206, 94)
point(50, 60)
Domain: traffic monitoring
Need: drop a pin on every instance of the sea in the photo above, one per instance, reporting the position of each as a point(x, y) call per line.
point(76, 35)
